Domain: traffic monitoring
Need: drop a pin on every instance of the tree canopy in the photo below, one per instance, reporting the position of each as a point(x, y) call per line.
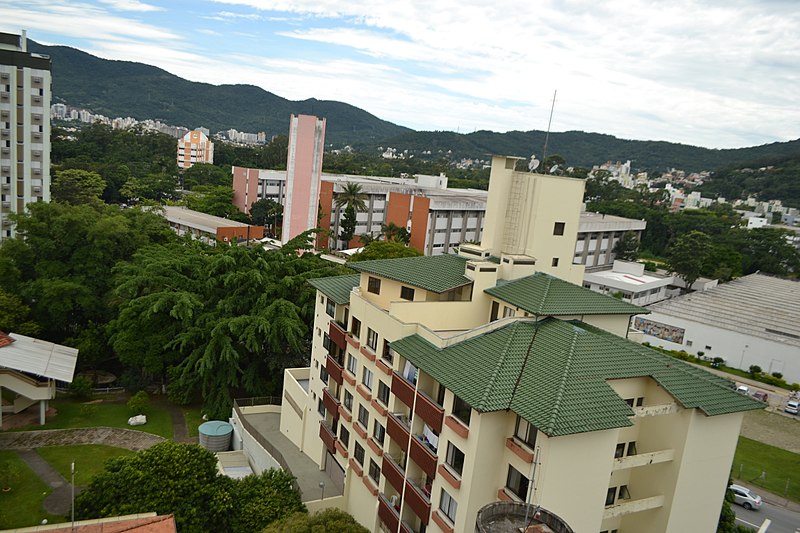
point(384, 250)
point(328, 520)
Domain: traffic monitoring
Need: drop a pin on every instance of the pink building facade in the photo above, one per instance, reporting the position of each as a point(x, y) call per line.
point(303, 175)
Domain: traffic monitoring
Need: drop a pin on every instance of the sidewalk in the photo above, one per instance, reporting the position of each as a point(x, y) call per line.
point(59, 501)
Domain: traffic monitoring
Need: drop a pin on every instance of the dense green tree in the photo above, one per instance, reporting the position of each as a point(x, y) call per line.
point(267, 212)
point(393, 232)
point(14, 315)
point(347, 226)
point(77, 186)
point(155, 186)
point(351, 196)
point(261, 500)
point(384, 250)
point(627, 247)
point(328, 520)
point(206, 174)
point(687, 255)
point(214, 200)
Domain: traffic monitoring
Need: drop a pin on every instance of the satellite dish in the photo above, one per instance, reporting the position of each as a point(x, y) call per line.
point(553, 169)
point(534, 164)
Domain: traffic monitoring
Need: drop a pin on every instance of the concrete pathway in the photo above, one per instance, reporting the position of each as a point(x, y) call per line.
point(58, 502)
point(180, 432)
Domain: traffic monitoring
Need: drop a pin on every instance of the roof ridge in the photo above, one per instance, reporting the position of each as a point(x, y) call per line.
point(562, 386)
point(549, 281)
point(501, 361)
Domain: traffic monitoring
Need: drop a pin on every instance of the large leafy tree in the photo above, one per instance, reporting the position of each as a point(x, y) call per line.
point(384, 250)
point(14, 315)
point(206, 174)
point(267, 212)
point(75, 186)
point(182, 479)
point(348, 224)
point(688, 254)
point(214, 200)
point(332, 519)
point(627, 247)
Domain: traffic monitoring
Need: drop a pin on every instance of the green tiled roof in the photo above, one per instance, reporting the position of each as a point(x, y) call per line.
point(337, 288)
point(554, 375)
point(438, 273)
point(545, 295)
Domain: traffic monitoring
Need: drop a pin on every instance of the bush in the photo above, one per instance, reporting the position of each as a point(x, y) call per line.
point(777, 375)
point(139, 403)
point(81, 388)
point(754, 369)
point(133, 380)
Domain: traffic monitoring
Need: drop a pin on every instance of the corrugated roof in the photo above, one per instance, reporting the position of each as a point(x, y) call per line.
point(757, 305)
point(337, 288)
point(554, 375)
point(544, 295)
point(439, 273)
point(39, 357)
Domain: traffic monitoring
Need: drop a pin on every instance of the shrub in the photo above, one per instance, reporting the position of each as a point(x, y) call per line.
point(777, 375)
point(81, 388)
point(754, 369)
point(139, 403)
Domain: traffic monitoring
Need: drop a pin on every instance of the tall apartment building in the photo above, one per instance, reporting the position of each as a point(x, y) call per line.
point(440, 384)
point(303, 175)
point(24, 128)
point(195, 147)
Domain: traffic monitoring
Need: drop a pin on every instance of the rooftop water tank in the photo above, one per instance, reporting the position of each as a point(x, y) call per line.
point(215, 435)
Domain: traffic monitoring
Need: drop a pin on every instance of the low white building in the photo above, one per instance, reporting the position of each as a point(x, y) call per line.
point(754, 320)
point(629, 279)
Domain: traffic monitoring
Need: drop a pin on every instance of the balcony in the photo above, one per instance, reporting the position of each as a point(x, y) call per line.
point(337, 334)
point(644, 459)
point(519, 450)
point(404, 390)
point(430, 411)
point(334, 369)
point(390, 517)
point(418, 497)
point(397, 426)
point(423, 456)
point(633, 506)
point(393, 472)
point(330, 403)
point(327, 436)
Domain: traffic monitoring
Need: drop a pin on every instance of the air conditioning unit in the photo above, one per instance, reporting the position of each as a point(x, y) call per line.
point(37, 189)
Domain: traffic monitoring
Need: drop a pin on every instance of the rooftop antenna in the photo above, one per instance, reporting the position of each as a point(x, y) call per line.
point(549, 122)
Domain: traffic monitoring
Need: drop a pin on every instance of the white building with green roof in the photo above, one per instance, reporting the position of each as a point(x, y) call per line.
point(438, 385)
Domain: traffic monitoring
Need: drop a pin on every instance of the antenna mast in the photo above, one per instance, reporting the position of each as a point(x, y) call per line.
point(549, 122)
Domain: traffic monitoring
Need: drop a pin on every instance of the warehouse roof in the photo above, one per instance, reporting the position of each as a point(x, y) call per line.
point(554, 374)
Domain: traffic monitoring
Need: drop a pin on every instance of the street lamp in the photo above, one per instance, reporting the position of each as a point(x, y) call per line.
point(322, 488)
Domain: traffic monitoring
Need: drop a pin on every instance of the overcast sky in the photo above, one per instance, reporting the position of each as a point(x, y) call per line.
point(719, 74)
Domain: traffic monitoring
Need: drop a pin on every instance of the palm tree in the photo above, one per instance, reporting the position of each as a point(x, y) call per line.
point(352, 195)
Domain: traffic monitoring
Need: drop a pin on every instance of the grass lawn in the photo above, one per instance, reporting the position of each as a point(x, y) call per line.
point(22, 505)
point(193, 417)
point(75, 414)
point(780, 466)
point(89, 459)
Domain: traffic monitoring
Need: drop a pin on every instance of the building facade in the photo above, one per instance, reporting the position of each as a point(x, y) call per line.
point(303, 175)
point(438, 385)
point(598, 234)
point(195, 147)
point(25, 93)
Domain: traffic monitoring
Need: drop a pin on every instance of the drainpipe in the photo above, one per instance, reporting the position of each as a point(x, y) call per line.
point(408, 453)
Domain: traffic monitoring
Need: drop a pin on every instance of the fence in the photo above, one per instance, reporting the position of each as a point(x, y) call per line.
point(775, 482)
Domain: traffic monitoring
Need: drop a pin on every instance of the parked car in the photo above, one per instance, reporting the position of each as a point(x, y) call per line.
point(745, 497)
point(743, 389)
point(761, 396)
point(792, 407)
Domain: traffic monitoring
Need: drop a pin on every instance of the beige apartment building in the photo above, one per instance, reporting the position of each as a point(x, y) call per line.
point(441, 384)
point(194, 147)
point(24, 128)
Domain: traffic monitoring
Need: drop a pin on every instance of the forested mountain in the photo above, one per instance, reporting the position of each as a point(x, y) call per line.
point(123, 88)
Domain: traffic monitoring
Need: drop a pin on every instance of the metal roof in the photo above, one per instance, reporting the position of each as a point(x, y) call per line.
point(337, 288)
point(39, 357)
point(438, 273)
point(757, 305)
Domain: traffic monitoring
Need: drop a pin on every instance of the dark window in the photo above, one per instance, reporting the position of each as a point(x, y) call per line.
point(374, 471)
point(352, 364)
point(455, 458)
point(323, 374)
point(624, 494)
point(555, 262)
point(326, 341)
point(374, 285)
point(629, 401)
point(407, 293)
point(517, 483)
point(440, 394)
point(330, 308)
point(363, 416)
point(448, 506)
point(632, 448)
point(348, 401)
point(358, 453)
point(383, 393)
point(378, 432)
point(355, 328)
point(344, 436)
point(372, 339)
point(619, 451)
point(525, 432)
point(495, 311)
point(558, 228)
point(639, 402)
point(461, 410)
point(320, 407)
point(610, 494)
point(387, 352)
point(366, 379)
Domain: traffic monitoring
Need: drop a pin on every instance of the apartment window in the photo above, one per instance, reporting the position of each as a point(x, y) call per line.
point(366, 378)
point(330, 308)
point(374, 472)
point(558, 228)
point(525, 432)
point(689, 344)
point(383, 393)
point(624, 494)
point(358, 453)
point(611, 494)
point(348, 401)
point(640, 401)
point(326, 342)
point(454, 458)
point(378, 432)
point(495, 311)
point(320, 407)
point(508, 311)
point(355, 328)
point(372, 339)
point(555, 262)
point(448, 506)
point(323, 375)
point(620, 450)
point(517, 483)
point(352, 364)
point(632, 448)
point(374, 285)
point(407, 293)
point(461, 410)
point(387, 352)
point(344, 436)
point(363, 416)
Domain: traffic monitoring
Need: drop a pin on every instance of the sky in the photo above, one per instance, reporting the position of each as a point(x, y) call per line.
point(713, 73)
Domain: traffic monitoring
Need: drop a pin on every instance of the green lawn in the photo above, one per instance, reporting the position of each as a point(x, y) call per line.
point(193, 416)
point(89, 459)
point(778, 466)
point(22, 505)
point(74, 414)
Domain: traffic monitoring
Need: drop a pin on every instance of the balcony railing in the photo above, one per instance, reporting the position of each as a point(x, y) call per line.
point(337, 334)
point(633, 506)
point(327, 436)
point(334, 369)
point(330, 403)
point(430, 411)
point(418, 497)
point(423, 456)
point(403, 389)
point(390, 517)
point(393, 472)
point(398, 428)
point(644, 459)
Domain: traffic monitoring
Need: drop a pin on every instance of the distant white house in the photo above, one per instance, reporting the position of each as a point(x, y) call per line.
point(629, 279)
point(756, 222)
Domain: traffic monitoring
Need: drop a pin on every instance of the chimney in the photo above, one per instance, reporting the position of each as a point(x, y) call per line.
point(23, 40)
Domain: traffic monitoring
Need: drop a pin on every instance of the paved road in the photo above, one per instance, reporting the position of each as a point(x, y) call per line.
point(783, 520)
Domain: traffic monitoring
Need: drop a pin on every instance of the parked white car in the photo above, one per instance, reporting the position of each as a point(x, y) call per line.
point(745, 497)
point(792, 407)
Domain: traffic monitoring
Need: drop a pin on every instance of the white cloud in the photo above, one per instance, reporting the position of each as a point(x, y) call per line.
point(131, 5)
